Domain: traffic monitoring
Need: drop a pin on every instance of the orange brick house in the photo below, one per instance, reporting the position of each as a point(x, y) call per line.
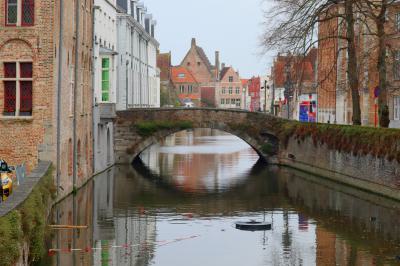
point(40, 110)
point(186, 86)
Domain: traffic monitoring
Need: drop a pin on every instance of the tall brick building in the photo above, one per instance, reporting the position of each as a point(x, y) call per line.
point(46, 87)
point(334, 96)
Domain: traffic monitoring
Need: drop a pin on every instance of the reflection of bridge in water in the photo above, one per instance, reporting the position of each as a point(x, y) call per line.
point(121, 206)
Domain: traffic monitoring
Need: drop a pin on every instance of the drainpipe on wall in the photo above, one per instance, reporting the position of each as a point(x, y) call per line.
point(75, 155)
point(60, 58)
point(58, 155)
point(93, 90)
point(147, 74)
point(127, 83)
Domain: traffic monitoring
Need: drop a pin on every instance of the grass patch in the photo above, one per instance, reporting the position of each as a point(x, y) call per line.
point(380, 142)
point(146, 129)
point(27, 224)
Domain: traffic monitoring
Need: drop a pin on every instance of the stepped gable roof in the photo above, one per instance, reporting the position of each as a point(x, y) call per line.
point(201, 54)
point(223, 72)
point(182, 75)
point(204, 58)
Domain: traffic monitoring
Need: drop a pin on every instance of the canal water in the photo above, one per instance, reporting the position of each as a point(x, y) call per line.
point(178, 204)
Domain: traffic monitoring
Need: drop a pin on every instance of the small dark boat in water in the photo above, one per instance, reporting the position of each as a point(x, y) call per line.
point(253, 226)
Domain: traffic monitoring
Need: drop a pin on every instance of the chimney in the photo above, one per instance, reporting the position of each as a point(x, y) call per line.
point(217, 65)
point(193, 42)
point(222, 66)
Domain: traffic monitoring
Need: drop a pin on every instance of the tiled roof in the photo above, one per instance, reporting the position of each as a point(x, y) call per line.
point(182, 75)
point(245, 82)
point(164, 64)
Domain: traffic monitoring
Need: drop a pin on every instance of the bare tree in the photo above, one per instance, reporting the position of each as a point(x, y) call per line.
point(293, 24)
point(376, 11)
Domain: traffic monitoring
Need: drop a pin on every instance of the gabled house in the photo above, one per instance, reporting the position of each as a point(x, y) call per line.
point(186, 86)
point(197, 62)
point(230, 89)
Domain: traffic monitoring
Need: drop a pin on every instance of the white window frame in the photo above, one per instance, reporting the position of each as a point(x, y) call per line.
point(396, 108)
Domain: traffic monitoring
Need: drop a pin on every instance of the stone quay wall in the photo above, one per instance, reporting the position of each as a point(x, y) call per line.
point(372, 173)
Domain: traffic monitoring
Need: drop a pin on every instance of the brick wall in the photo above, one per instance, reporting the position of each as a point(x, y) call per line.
point(29, 139)
point(22, 138)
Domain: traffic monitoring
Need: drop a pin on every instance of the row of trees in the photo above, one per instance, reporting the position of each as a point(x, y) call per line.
point(292, 25)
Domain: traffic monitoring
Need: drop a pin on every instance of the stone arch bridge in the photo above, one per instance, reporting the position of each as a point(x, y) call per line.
point(137, 129)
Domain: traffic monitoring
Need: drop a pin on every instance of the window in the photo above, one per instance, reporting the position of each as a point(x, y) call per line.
point(230, 79)
point(198, 63)
point(182, 89)
point(396, 65)
point(190, 88)
point(233, 101)
point(222, 101)
point(397, 22)
point(17, 89)
point(27, 12)
point(238, 103)
point(230, 90)
point(181, 75)
point(223, 91)
point(237, 90)
point(396, 107)
point(12, 12)
point(25, 18)
point(105, 79)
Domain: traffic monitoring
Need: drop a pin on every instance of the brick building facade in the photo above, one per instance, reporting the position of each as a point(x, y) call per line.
point(40, 110)
point(334, 96)
point(229, 89)
point(186, 86)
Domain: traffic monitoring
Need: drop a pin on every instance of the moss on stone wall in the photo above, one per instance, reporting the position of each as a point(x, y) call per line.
point(146, 129)
point(27, 224)
point(384, 143)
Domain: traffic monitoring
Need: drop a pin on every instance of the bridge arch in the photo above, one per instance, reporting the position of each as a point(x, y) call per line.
point(138, 129)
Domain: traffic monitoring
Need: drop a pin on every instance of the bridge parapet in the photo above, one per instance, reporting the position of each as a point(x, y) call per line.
point(138, 129)
point(363, 157)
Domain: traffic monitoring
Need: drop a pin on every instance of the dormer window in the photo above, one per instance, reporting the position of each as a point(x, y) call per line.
point(181, 75)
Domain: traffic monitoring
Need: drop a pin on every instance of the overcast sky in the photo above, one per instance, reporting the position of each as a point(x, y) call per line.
point(231, 26)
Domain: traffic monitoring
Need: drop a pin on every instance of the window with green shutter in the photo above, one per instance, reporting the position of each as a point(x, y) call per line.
point(105, 79)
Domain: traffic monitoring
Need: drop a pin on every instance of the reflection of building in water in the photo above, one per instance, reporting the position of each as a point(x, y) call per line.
point(332, 250)
point(132, 244)
point(347, 214)
point(288, 244)
point(75, 210)
point(119, 238)
point(201, 159)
